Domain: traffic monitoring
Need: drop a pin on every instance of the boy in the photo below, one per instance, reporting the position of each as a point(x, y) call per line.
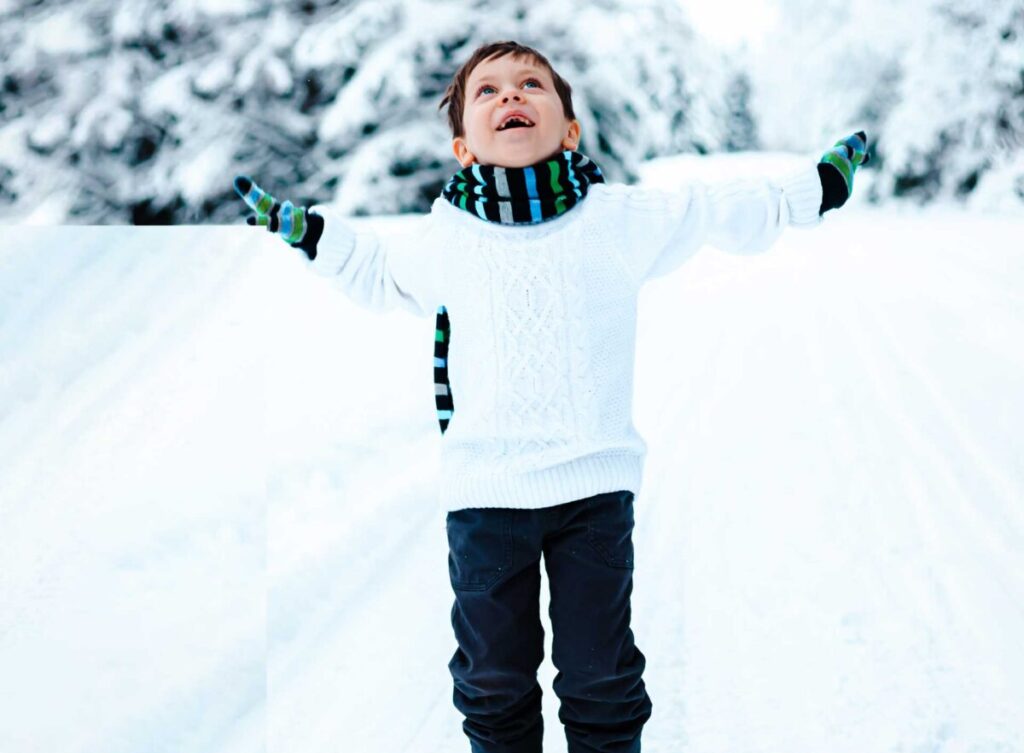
point(538, 263)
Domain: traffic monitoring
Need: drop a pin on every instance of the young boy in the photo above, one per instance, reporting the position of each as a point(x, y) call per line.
point(535, 263)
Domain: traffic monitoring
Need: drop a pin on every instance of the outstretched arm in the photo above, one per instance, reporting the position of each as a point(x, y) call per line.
point(662, 229)
point(382, 271)
point(378, 272)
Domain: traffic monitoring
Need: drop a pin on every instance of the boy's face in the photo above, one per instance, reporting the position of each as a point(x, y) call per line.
point(495, 89)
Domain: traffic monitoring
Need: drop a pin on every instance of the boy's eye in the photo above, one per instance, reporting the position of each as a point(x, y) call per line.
point(488, 86)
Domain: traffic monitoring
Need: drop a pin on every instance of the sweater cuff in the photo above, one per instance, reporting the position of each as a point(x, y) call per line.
point(336, 243)
point(802, 189)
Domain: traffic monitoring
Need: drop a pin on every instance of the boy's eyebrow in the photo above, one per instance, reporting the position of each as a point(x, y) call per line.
point(521, 71)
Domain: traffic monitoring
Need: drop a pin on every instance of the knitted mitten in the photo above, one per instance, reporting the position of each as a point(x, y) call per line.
point(836, 169)
point(295, 224)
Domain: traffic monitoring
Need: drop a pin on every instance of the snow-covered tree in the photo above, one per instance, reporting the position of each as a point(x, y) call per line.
point(960, 119)
point(937, 84)
point(143, 110)
point(825, 70)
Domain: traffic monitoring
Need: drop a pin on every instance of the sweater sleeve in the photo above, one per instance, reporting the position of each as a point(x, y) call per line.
point(379, 271)
point(664, 228)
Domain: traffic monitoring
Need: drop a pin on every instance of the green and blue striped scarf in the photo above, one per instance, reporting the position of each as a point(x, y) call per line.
point(508, 196)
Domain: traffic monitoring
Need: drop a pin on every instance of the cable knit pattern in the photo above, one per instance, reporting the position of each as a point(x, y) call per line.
point(543, 322)
point(527, 304)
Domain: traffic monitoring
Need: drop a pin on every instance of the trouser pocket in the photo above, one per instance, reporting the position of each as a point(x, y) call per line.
point(610, 527)
point(479, 547)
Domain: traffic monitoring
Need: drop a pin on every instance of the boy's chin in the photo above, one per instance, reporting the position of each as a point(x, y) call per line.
point(517, 158)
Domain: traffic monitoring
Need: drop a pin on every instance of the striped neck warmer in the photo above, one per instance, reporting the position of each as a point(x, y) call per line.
point(509, 196)
point(523, 195)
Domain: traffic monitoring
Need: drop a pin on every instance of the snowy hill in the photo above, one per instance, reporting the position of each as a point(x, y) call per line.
point(218, 522)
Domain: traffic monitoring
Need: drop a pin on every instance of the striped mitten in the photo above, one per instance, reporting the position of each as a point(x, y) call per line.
point(294, 224)
point(836, 169)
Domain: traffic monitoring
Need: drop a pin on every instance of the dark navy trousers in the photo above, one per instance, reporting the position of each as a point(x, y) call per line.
point(494, 566)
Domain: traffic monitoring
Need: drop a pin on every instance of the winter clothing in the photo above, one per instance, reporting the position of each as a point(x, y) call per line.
point(534, 194)
point(294, 224)
point(494, 568)
point(837, 167)
point(494, 553)
point(542, 320)
point(523, 195)
point(510, 196)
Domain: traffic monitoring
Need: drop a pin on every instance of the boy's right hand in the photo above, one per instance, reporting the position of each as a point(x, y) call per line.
point(294, 224)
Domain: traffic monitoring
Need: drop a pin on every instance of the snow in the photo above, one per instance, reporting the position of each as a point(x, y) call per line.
point(50, 131)
point(203, 173)
point(205, 545)
point(214, 78)
point(733, 23)
point(65, 32)
point(102, 99)
point(301, 88)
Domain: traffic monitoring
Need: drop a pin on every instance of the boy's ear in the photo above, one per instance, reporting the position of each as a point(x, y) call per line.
point(462, 153)
point(572, 139)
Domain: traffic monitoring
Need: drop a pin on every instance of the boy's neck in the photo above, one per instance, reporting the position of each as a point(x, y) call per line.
point(553, 155)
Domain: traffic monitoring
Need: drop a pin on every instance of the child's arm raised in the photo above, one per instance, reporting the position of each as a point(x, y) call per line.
point(664, 228)
point(377, 272)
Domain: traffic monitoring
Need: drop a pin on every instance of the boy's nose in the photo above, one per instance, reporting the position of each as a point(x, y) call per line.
point(514, 96)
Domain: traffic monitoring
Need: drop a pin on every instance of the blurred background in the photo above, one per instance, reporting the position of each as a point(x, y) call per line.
point(141, 111)
point(220, 530)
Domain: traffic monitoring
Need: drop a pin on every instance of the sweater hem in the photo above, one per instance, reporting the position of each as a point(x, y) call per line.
point(577, 479)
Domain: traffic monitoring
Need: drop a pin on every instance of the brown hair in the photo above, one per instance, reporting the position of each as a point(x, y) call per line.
point(455, 95)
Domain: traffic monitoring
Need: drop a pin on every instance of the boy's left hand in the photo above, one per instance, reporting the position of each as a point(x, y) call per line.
point(837, 167)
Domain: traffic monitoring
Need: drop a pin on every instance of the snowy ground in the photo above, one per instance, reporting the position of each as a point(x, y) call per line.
point(218, 522)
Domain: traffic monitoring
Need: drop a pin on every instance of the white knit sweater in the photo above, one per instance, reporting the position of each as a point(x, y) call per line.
point(543, 321)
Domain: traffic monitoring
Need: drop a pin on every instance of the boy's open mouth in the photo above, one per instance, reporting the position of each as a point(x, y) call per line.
point(516, 121)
